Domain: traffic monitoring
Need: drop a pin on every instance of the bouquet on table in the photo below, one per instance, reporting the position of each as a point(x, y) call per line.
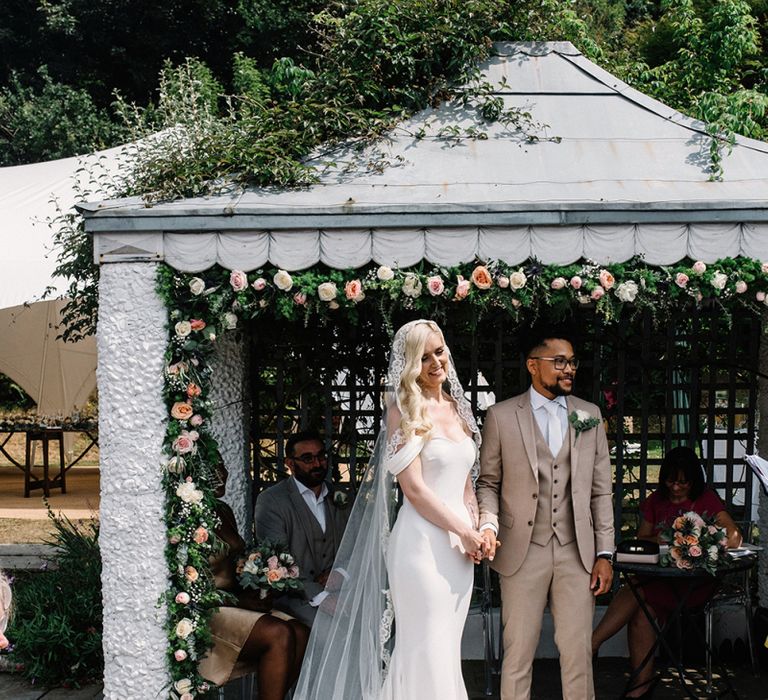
point(268, 567)
point(695, 542)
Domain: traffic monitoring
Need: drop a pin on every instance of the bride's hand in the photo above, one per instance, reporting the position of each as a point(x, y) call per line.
point(471, 540)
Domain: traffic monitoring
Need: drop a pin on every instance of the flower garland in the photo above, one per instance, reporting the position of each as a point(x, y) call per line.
point(217, 300)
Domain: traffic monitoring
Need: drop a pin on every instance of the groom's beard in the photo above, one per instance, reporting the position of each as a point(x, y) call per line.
point(558, 388)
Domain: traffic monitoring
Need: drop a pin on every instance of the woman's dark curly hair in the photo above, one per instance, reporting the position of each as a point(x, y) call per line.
point(682, 460)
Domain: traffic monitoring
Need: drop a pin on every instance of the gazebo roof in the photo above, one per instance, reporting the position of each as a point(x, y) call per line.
point(612, 173)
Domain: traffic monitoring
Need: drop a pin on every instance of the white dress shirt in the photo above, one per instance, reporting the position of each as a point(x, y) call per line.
point(316, 504)
point(540, 414)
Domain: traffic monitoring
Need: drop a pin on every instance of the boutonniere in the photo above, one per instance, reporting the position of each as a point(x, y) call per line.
point(581, 421)
point(340, 499)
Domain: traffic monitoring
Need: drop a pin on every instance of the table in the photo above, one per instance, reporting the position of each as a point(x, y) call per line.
point(47, 435)
point(635, 574)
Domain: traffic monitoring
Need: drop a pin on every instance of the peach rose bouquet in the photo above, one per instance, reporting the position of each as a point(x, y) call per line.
point(269, 567)
point(695, 542)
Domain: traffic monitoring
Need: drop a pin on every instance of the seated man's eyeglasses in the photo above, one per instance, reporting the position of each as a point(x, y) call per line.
point(560, 362)
point(309, 458)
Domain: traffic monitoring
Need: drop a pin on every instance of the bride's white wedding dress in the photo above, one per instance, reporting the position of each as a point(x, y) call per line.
point(430, 580)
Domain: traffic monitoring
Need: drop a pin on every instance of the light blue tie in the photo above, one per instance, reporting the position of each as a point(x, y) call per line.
point(554, 428)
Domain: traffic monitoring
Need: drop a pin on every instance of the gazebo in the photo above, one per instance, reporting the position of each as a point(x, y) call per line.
point(601, 172)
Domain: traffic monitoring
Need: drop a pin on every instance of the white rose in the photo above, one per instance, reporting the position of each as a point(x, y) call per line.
point(385, 273)
point(188, 493)
point(176, 465)
point(283, 280)
point(411, 285)
point(327, 291)
point(517, 280)
point(183, 686)
point(581, 416)
point(627, 291)
point(183, 329)
point(230, 321)
point(196, 286)
point(184, 628)
point(718, 280)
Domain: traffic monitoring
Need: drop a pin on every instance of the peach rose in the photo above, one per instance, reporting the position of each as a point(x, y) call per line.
point(481, 277)
point(675, 553)
point(191, 574)
point(274, 575)
point(197, 324)
point(462, 288)
point(607, 280)
point(193, 390)
point(679, 522)
point(353, 290)
point(181, 410)
point(691, 539)
point(200, 535)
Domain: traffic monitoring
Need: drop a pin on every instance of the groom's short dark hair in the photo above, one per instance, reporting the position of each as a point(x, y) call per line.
point(302, 436)
point(537, 336)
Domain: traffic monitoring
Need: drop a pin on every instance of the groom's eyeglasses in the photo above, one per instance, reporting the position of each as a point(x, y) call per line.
point(560, 362)
point(309, 458)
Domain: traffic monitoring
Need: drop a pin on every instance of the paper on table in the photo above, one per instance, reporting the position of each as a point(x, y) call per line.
point(759, 468)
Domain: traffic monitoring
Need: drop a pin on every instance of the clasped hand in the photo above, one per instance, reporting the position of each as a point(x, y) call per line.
point(480, 545)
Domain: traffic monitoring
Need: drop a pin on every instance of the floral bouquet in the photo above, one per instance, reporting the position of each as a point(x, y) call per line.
point(695, 542)
point(269, 567)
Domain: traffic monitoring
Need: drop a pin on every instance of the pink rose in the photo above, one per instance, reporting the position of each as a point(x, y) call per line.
point(4, 643)
point(174, 539)
point(760, 296)
point(607, 280)
point(193, 390)
point(741, 287)
point(259, 283)
point(187, 696)
point(179, 655)
point(597, 293)
point(196, 420)
point(681, 280)
point(353, 290)
point(300, 298)
point(699, 267)
point(435, 285)
point(182, 598)
point(576, 282)
point(238, 280)
point(462, 288)
point(200, 535)
point(558, 283)
point(503, 281)
point(197, 324)
point(694, 550)
point(272, 563)
point(184, 443)
point(293, 572)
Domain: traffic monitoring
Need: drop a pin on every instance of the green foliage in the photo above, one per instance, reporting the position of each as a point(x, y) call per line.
point(57, 623)
point(49, 122)
point(12, 396)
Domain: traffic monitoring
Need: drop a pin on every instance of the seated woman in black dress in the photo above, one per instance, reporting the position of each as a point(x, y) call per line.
point(681, 489)
point(251, 636)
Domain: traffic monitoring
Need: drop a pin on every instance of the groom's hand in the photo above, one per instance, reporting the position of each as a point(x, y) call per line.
point(602, 577)
point(489, 544)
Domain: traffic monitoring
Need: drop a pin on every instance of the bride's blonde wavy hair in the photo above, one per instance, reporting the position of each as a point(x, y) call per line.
point(414, 418)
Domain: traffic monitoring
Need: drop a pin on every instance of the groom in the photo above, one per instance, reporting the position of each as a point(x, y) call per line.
point(545, 491)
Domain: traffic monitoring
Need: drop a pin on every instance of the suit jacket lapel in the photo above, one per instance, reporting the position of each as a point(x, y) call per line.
point(572, 436)
point(527, 430)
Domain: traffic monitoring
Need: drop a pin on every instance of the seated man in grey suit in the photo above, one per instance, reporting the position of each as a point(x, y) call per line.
point(302, 513)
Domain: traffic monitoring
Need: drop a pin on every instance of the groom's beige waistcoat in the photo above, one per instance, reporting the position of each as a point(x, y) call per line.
point(517, 491)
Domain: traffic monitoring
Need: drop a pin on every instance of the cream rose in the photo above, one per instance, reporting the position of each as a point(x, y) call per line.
point(196, 286)
point(385, 273)
point(184, 628)
point(230, 321)
point(412, 286)
point(719, 280)
point(283, 280)
point(503, 281)
point(760, 296)
point(183, 686)
point(435, 285)
point(327, 291)
point(183, 329)
point(517, 280)
point(558, 283)
point(741, 287)
point(189, 493)
point(627, 291)
point(238, 280)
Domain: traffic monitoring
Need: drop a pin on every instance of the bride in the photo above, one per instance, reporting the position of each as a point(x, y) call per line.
point(390, 627)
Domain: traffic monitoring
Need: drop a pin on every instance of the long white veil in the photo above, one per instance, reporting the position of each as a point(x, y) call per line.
point(349, 647)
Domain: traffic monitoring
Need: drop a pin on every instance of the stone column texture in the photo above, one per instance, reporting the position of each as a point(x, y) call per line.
point(230, 423)
point(131, 340)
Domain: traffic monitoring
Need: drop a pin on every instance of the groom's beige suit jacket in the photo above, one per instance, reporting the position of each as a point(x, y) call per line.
point(507, 489)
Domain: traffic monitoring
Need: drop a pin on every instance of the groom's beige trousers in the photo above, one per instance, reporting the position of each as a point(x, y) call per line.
point(552, 574)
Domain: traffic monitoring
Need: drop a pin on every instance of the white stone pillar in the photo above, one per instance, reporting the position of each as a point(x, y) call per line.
point(131, 341)
point(230, 423)
point(762, 445)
